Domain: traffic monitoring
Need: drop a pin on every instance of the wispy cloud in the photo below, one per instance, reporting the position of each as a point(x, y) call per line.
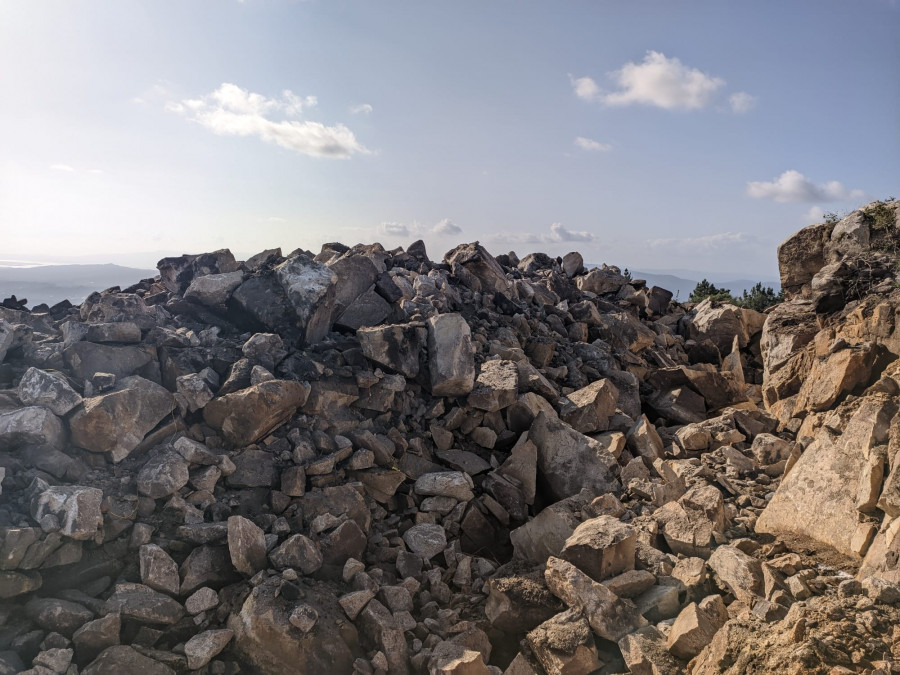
point(62, 167)
point(741, 102)
point(793, 186)
point(361, 109)
point(591, 145)
point(706, 244)
point(446, 227)
point(662, 82)
point(394, 229)
point(585, 88)
point(557, 235)
point(233, 111)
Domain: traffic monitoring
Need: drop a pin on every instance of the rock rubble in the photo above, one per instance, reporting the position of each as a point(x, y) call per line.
point(366, 461)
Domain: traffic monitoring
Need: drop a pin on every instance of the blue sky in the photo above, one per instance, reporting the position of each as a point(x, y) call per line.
point(648, 134)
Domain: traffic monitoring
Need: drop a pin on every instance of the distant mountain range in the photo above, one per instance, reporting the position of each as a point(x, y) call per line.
point(683, 282)
point(53, 283)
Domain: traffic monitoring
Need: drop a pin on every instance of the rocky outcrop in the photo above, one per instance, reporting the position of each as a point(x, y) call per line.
point(365, 461)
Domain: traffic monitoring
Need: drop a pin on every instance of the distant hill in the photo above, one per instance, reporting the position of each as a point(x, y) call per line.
point(53, 283)
point(683, 286)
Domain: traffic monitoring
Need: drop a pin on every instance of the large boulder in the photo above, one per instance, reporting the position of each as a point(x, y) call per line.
point(610, 617)
point(246, 416)
point(601, 547)
point(397, 347)
point(265, 637)
point(177, 273)
point(38, 387)
point(310, 288)
point(801, 255)
point(721, 322)
point(451, 362)
point(569, 461)
point(496, 387)
point(588, 410)
point(124, 659)
point(118, 308)
point(481, 265)
point(214, 289)
point(817, 498)
point(356, 274)
point(84, 359)
point(75, 507)
point(7, 338)
point(32, 425)
point(117, 422)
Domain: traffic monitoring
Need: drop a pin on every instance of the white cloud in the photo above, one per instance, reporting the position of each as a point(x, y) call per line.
point(394, 229)
point(62, 167)
point(793, 186)
point(706, 244)
point(592, 145)
point(362, 109)
point(663, 82)
point(741, 102)
point(559, 234)
point(233, 111)
point(585, 88)
point(446, 227)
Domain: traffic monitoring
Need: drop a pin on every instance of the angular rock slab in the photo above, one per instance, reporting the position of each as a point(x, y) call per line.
point(32, 425)
point(589, 409)
point(496, 387)
point(266, 639)
point(310, 288)
point(118, 421)
point(569, 461)
point(451, 362)
point(696, 626)
point(86, 358)
point(248, 415)
point(817, 499)
point(246, 545)
point(214, 289)
point(610, 617)
point(397, 347)
point(125, 659)
point(740, 574)
point(601, 547)
point(563, 644)
point(38, 387)
point(77, 509)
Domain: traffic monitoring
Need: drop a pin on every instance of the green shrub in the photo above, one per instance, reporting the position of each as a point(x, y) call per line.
point(760, 298)
point(705, 290)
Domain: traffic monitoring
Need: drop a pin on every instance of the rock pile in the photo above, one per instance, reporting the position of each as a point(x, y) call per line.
point(366, 461)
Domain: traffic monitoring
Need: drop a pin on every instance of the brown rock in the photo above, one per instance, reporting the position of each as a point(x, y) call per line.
point(246, 416)
point(601, 547)
point(118, 421)
point(696, 626)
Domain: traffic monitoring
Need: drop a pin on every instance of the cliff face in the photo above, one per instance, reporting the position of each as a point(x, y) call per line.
point(831, 375)
point(368, 461)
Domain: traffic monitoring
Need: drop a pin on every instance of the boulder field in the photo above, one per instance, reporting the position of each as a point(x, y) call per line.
point(367, 461)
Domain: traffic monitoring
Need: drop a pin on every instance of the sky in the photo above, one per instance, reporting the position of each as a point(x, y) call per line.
point(647, 134)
